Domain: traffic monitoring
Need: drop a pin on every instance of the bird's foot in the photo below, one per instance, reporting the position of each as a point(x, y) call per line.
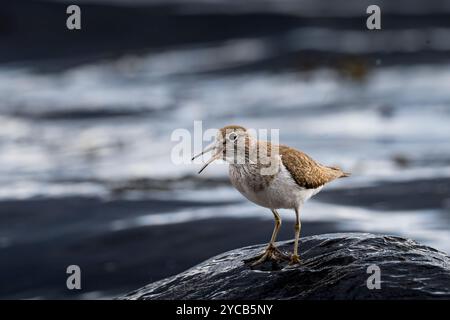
point(294, 260)
point(272, 253)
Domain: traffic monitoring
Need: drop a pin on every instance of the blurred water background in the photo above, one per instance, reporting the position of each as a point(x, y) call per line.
point(86, 119)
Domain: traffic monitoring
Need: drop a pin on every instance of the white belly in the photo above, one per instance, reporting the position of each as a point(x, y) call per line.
point(278, 192)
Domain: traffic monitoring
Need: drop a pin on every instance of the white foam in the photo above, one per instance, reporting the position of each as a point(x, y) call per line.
point(336, 121)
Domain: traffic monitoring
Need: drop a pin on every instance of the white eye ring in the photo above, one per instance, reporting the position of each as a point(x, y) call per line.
point(232, 136)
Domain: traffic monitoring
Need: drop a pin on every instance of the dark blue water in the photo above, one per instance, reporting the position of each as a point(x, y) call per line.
point(102, 130)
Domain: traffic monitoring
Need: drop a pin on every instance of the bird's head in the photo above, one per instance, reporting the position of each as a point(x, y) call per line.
point(230, 144)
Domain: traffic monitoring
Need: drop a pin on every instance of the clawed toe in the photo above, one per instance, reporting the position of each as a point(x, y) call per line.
point(254, 258)
point(281, 254)
point(272, 253)
point(294, 260)
point(261, 259)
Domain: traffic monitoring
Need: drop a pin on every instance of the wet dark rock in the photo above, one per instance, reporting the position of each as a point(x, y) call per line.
point(334, 266)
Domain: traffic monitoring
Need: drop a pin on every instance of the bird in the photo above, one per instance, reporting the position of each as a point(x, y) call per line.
point(273, 176)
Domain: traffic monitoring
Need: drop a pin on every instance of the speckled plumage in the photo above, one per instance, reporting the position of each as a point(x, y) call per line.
point(305, 171)
point(272, 176)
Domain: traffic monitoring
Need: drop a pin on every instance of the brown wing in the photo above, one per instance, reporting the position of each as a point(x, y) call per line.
point(305, 171)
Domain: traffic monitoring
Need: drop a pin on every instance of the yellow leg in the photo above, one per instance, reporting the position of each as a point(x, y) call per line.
point(298, 226)
point(276, 228)
point(271, 251)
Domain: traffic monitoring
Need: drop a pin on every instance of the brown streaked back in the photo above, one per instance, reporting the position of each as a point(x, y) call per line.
point(306, 172)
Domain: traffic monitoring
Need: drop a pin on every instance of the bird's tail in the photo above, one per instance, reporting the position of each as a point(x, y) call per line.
point(342, 173)
point(345, 174)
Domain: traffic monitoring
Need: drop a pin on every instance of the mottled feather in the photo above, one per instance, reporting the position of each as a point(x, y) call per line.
point(306, 172)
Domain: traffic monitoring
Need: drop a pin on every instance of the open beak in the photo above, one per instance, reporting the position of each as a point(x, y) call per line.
point(207, 149)
point(213, 158)
point(216, 156)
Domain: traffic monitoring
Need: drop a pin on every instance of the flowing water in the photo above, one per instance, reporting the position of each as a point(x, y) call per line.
point(103, 130)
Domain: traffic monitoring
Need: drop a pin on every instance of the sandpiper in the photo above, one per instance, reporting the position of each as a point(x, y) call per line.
point(284, 180)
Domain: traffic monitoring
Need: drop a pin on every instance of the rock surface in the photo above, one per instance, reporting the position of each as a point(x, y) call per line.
point(334, 266)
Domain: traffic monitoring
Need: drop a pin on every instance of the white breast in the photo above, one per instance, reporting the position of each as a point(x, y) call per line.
point(279, 192)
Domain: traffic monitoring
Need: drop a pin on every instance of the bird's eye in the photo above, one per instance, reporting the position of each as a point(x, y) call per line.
point(232, 136)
